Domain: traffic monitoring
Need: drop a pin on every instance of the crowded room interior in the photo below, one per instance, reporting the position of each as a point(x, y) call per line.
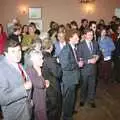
point(60, 60)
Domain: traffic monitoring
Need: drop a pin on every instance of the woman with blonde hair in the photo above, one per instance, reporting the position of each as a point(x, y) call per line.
point(36, 45)
point(34, 60)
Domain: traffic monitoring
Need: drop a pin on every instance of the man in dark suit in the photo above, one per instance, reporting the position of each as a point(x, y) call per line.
point(116, 57)
point(71, 73)
point(88, 52)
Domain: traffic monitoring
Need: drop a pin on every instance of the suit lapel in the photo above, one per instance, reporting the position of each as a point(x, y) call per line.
point(58, 49)
point(94, 48)
point(71, 51)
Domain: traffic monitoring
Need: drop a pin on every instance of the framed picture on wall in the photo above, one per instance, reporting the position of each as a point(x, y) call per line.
point(38, 22)
point(117, 12)
point(35, 13)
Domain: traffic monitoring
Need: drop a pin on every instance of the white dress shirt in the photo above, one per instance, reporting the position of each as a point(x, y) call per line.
point(88, 44)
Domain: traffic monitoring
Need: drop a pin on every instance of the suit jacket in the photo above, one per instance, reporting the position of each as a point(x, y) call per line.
point(117, 50)
point(50, 72)
point(84, 53)
point(69, 66)
point(10, 28)
point(51, 69)
point(57, 48)
point(12, 93)
point(15, 37)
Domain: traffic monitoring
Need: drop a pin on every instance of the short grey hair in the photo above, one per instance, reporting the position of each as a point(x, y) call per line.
point(28, 55)
point(44, 35)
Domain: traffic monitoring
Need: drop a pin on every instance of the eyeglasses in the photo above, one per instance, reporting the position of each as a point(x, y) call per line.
point(94, 26)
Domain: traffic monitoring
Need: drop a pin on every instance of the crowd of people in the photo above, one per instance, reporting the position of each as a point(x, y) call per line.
point(41, 72)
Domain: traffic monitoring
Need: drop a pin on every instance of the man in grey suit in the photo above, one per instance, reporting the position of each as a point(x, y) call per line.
point(71, 73)
point(88, 52)
point(13, 87)
point(10, 26)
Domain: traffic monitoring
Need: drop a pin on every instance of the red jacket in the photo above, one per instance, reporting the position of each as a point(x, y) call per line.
point(3, 38)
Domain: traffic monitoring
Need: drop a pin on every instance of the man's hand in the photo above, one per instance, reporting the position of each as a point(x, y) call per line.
point(28, 85)
point(81, 63)
point(47, 83)
point(92, 61)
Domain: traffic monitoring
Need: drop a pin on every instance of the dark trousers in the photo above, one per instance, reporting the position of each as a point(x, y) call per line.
point(1, 113)
point(117, 68)
point(53, 102)
point(88, 85)
point(0, 109)
point(105, 70)
point(68, 101)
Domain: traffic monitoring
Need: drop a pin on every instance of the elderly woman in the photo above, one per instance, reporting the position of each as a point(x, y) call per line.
point(51, 72)
point(34, 61)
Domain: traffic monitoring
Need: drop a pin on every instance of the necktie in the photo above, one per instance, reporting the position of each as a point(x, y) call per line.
point(22, 72)
point(75, 53)
point(91, 47)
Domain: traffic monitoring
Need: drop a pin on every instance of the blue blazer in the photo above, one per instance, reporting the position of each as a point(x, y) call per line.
point(57, 48)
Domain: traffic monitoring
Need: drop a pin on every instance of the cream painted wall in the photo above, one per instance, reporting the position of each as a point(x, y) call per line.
point(1, 12)
point(61, 11)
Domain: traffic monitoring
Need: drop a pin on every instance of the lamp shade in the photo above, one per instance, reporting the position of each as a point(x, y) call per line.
point(86, 1)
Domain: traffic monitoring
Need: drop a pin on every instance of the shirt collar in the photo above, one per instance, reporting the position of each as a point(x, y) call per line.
point(73, 46)
point(88, 41)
